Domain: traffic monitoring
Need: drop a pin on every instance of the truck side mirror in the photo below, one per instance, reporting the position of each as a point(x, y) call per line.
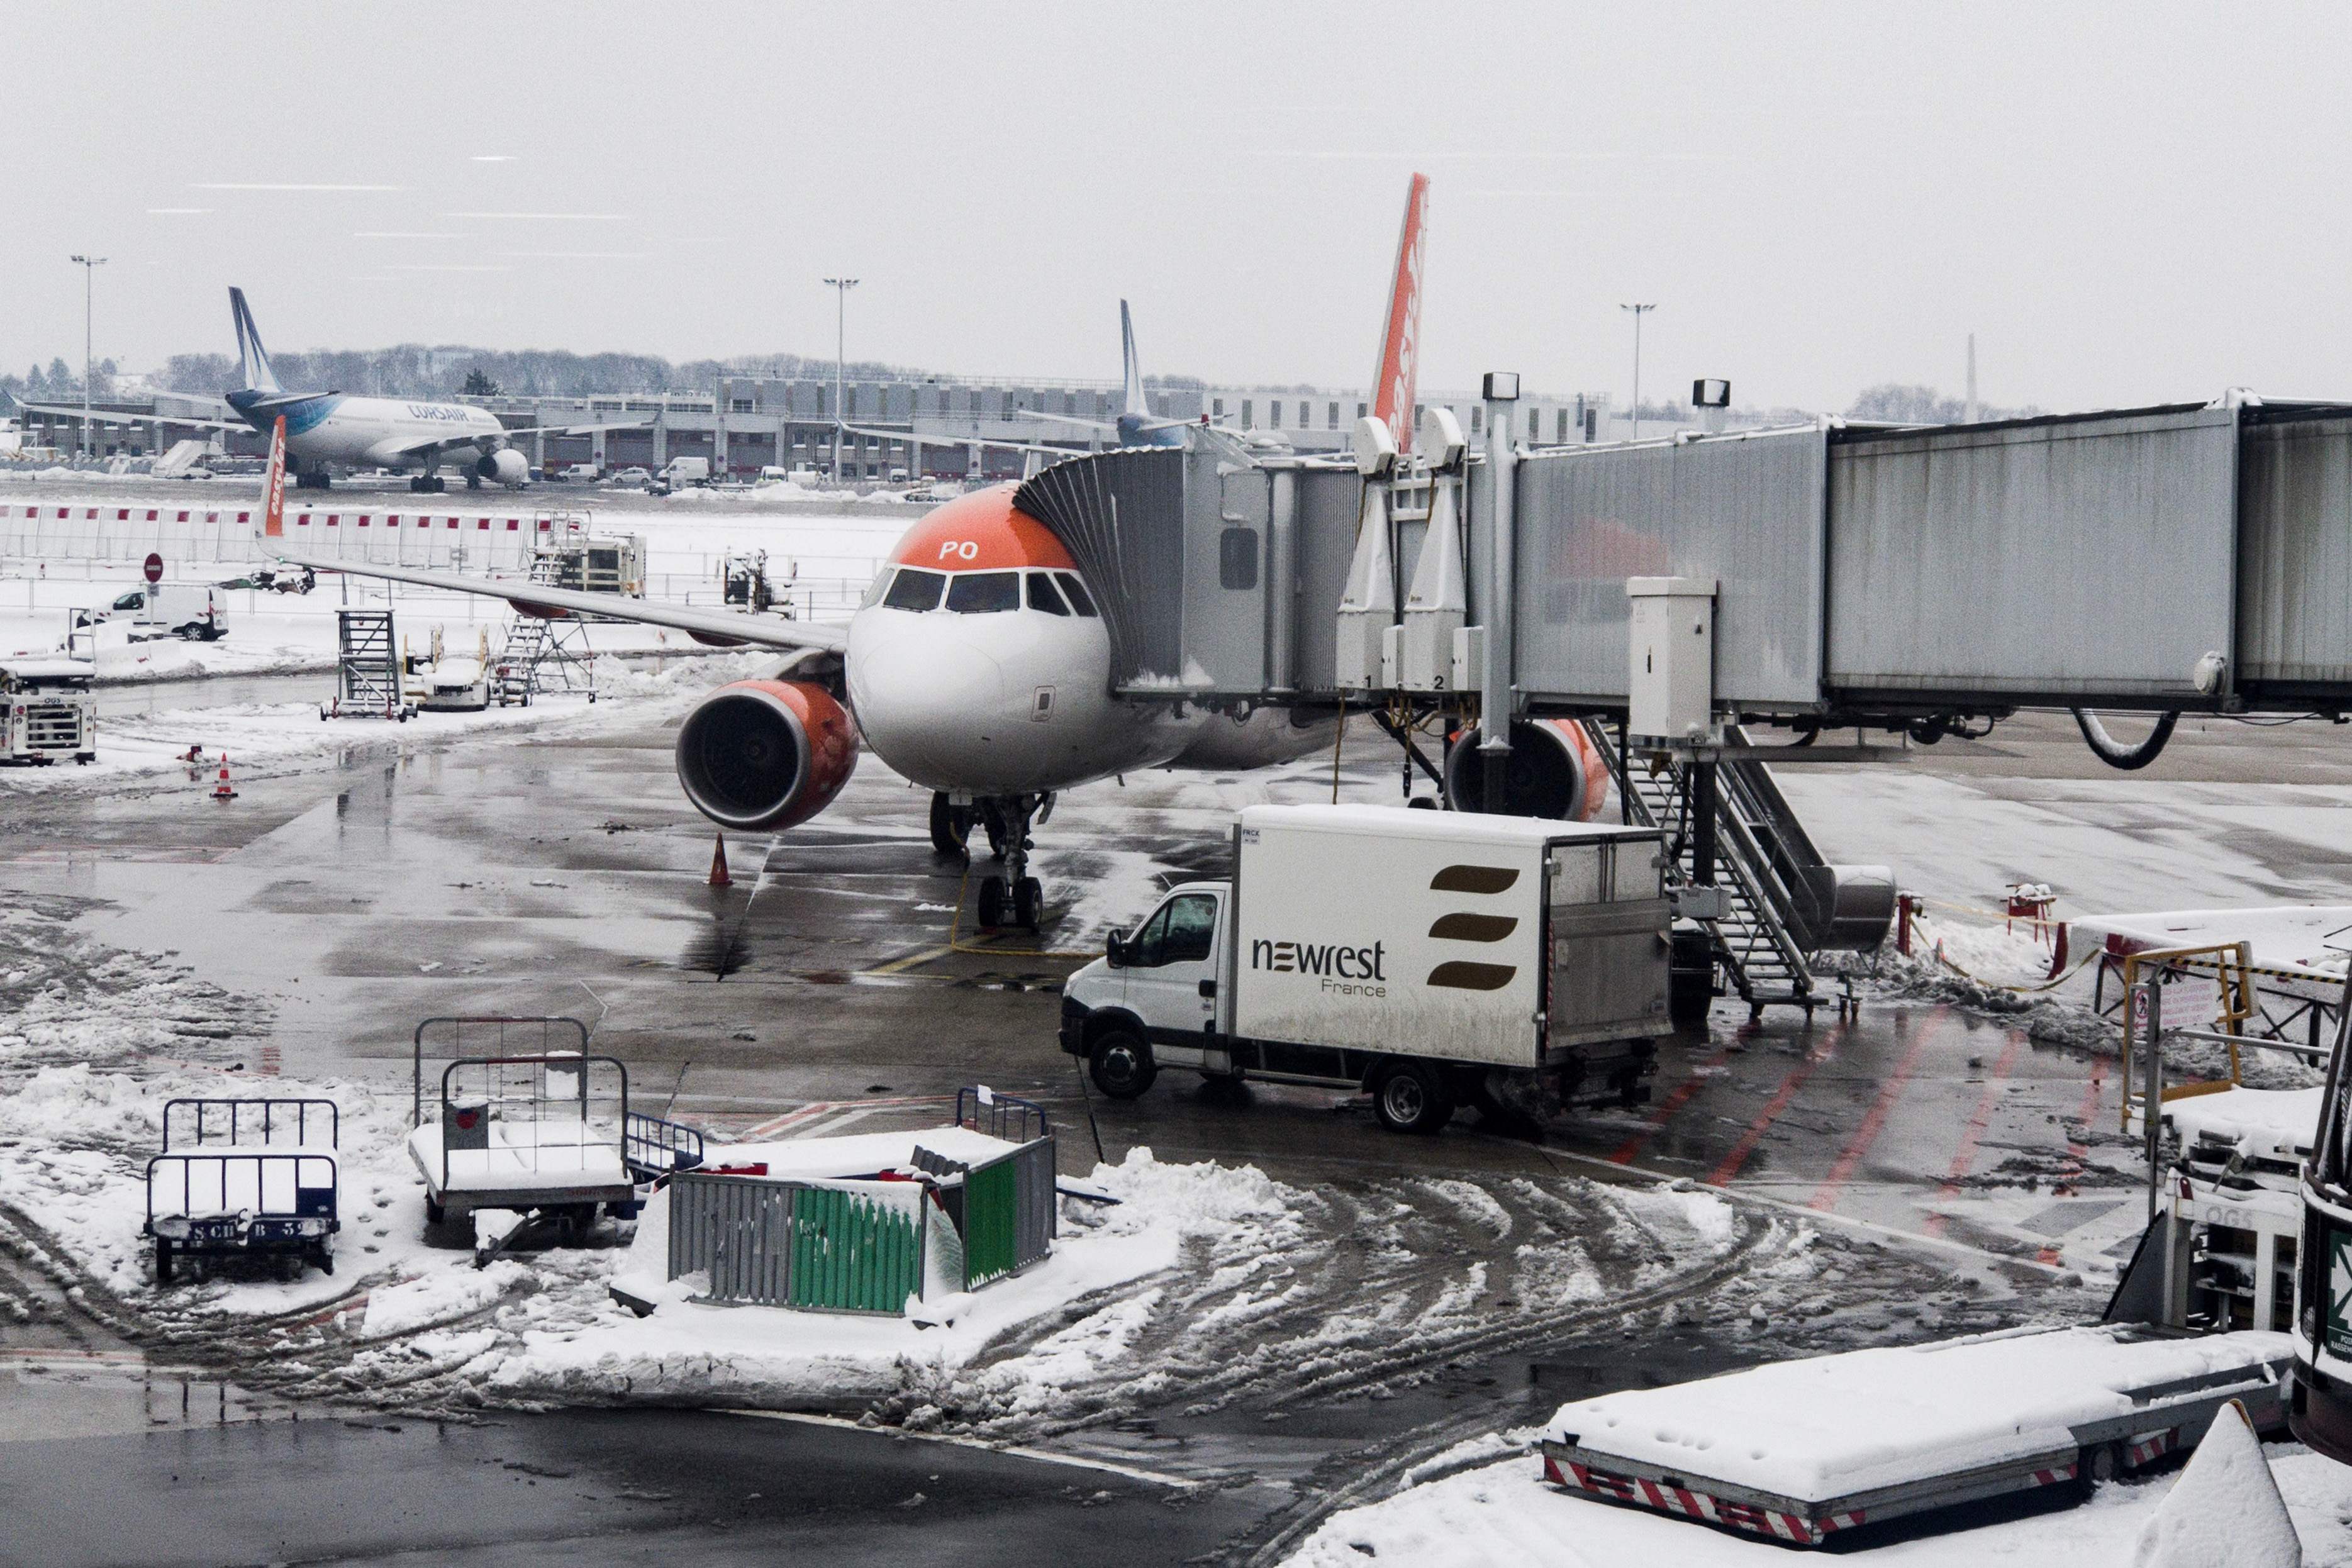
point(1114, 951)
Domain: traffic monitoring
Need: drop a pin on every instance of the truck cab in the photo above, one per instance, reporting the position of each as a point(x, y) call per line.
point(1154, 988)
point(47, 711)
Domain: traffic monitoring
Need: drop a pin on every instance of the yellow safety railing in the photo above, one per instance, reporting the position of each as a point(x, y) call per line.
point(2232, 965)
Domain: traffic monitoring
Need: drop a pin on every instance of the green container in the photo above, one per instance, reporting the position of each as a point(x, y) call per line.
point(851, 1254)
point(991, 1206)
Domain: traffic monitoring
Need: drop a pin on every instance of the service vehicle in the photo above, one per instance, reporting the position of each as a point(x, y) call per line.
point(1798, 1451)
point(682, 473)
point(588, 472)
point(1431, 958)
point(632, 475)
point(47, 711)
point(194, 612)
point(773, 475)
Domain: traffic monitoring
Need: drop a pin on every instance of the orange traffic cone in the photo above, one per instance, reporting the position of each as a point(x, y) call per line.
point(221, 791)
point(718, 877)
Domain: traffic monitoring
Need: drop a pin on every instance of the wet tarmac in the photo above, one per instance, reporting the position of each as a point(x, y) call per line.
point(837, 983)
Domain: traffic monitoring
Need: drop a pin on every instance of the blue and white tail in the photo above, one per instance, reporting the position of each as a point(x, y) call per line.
point(252, 359)
point(1133, 372)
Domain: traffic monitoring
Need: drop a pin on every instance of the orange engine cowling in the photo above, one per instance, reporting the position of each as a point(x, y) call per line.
point(1555, 771)
point(766, 754)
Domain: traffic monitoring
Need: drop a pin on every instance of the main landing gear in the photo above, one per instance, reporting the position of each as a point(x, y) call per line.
point(427, 484)
point(1014, 898)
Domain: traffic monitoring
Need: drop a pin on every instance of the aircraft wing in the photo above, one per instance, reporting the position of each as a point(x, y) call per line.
point(102, 417)
point(589, 429)
point(996, 442)
point(719, 626)
point(1153, 423)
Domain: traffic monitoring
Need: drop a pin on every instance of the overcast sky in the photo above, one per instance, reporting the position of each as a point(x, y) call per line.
point(2126, 203)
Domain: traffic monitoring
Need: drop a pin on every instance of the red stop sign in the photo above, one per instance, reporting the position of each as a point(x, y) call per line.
point(154, 566)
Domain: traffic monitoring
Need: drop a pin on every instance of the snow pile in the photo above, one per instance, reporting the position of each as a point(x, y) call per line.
point(589, 1349)
point(455, 1290)
point(2225, 1511)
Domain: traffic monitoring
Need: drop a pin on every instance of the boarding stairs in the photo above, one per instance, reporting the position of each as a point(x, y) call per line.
point(540, 654)
point(1763, 861)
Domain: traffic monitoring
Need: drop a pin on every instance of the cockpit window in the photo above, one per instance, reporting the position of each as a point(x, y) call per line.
point(1077, 593)
point(983, 593)
point(1044, 596)
point(913, 589)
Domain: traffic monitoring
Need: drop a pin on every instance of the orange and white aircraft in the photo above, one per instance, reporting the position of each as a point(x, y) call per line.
point(978, 666)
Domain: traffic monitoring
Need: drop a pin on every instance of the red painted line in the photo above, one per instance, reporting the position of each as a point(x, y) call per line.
point(1729, 1167)
point(1679, 1096)
point(1875, 1122)
point(2078, 1154)
point(1974, 1132)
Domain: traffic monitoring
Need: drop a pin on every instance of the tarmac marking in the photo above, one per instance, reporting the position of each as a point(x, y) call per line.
point(816, 1110)
point(1045, 1456)
point(1677, 1098)
point(1966, 1157)
point(1874, 1122)
point(909, 961)
point(1729, 1166)
point(2079, 1155)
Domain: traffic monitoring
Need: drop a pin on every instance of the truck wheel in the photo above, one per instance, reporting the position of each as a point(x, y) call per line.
point(1122, 1065)
point(1409, 1098)
point(2098, 1465)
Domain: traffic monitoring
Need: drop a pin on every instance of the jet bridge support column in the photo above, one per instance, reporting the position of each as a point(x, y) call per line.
point(1502, 396)
point(1282, 583)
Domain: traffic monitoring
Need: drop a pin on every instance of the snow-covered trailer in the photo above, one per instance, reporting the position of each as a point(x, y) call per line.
point(546, 1135)
point(1797, 1450)
point(245, 1177)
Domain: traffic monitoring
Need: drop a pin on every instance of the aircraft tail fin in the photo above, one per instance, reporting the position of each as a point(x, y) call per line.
point(1395, 379)
point(252, 359)
point(1131, 367)
point(273, 490)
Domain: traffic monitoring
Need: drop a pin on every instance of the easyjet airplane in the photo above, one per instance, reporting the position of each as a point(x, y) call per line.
point(978, 666)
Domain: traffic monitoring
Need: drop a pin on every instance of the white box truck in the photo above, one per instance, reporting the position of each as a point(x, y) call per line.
point(682, 473)
point(1431, 958)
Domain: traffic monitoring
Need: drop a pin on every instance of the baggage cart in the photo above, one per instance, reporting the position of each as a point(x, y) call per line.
point(244, 1177)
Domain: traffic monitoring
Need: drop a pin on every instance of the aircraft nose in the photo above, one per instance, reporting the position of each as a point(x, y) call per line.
point(926, 703)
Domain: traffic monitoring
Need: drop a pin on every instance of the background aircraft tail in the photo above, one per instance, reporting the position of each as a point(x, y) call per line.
point(1133, 367)
point(1395, 381)
point(252, 359)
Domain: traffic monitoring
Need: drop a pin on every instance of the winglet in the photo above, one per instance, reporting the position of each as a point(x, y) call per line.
point(1394, 380)
point(252, 359)
point(273, 510)
point(1132, 368)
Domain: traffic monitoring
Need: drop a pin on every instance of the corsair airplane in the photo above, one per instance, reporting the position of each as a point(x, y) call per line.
point(978, 666)
point(325, 429)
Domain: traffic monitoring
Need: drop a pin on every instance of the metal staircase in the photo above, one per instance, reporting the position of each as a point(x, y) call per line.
point(540, 654)
point(1765, 870)
point(367, 668)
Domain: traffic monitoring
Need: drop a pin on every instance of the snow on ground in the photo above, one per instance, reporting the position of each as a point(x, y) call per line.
point(271, 736)
point(1505, 1512)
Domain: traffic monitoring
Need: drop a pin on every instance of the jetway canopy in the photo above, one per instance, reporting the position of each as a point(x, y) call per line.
point(2188, 556)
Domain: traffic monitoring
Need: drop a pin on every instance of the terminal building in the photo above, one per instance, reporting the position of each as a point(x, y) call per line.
point(745, 423)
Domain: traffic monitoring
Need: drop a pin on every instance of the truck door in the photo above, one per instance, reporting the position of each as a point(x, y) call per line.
point(1172, 956)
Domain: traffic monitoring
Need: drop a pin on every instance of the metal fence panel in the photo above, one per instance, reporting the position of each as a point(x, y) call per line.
point(853, 1253)
point(1744, 511)
point(992, 1224)
point(1036, 1210)
point(2295, 580)
point(739, 1230)
point(2077, 555)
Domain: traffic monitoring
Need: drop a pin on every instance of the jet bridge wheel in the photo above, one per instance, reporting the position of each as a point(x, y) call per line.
point(951, 825)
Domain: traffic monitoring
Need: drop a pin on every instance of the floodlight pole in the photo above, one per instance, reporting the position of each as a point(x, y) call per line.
point(1639, 311)
point(89, 266)
point(841, 287)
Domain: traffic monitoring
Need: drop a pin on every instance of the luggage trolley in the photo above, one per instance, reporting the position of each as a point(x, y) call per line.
point(245, 1177)
point(546, 1134)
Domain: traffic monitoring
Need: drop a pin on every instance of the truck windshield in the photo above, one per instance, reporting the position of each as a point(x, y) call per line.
point(1182, 933)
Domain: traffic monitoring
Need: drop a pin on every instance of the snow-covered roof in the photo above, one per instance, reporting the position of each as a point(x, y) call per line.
point(2291, 939)
point(858, 1153)
point(1830, 1426)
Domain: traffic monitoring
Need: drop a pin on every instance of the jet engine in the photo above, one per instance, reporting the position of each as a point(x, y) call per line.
point(505, 465)
point(1555, 771)
point(766, 754)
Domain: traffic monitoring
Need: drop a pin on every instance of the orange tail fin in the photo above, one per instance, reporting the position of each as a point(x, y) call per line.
point(1394, 381)
point(273, 513)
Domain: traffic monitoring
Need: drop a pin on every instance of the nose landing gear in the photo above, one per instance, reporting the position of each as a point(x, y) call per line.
point(1015, 898)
